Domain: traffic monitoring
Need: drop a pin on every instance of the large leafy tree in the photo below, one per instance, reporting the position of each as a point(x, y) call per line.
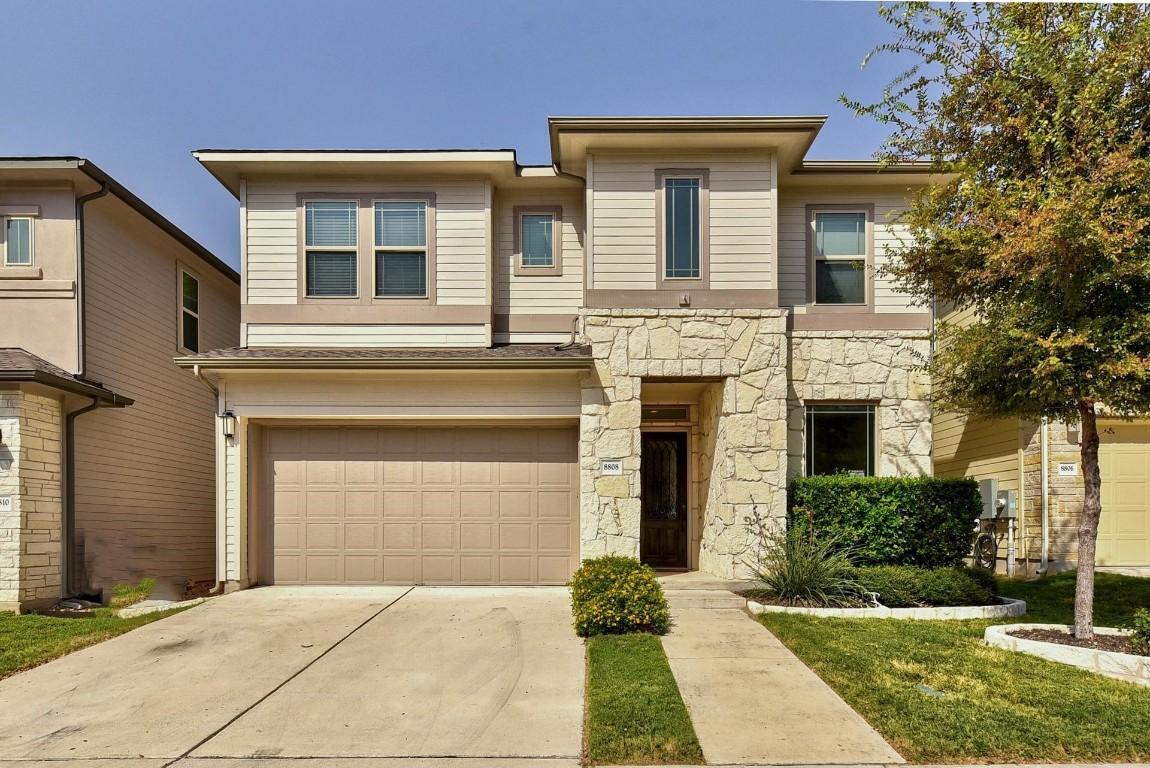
point(1038, 117)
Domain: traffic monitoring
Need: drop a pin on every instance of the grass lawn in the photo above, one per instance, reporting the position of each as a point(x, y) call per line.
point(998, 706)
point(635, 715)
point(29, 640)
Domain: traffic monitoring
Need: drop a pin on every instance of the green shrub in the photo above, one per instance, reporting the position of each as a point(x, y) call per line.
point(905, 586)
point(796, 568)
point(985, 579)
point(924, 521)
point(1140, 632)
point(615, 595)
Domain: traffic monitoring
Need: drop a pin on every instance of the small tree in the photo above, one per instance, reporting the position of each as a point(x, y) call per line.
point(1038, 117)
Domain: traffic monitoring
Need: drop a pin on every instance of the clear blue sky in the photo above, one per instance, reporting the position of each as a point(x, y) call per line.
point(136, 85)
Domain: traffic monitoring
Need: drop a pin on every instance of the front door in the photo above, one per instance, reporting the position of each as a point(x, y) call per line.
point(663, 533)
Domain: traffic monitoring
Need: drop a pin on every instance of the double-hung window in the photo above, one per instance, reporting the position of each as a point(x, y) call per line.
point(840, 439)
point(840, 257)
point(189, 312)
point(331, 249)
point(17, 241)
point(401, 249)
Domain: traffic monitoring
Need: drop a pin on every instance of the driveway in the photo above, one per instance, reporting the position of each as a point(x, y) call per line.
point(317, 672)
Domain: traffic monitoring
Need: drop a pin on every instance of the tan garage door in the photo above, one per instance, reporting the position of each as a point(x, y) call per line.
point(423, 505)
point(1124, 458)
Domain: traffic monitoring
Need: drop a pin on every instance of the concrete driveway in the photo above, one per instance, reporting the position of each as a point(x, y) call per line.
point(315, 672)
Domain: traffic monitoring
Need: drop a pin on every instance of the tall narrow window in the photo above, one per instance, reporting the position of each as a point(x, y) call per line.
point(840, 257)
point(401, 249)
point(189, 312)
point(537, 233)
point(840, 439)
point(18, 242)
point(681, 221)
point(330, 242)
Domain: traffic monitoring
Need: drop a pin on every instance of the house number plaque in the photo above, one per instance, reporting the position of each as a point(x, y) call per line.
point(611, 468)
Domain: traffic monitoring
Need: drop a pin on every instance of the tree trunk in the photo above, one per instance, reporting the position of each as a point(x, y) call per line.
point(1088, 530)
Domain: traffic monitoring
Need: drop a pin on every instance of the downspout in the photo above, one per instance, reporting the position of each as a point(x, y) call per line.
point(221, 487)
point(586, 258)
point(69, 522)
point(81, 330)
point(1044, 485)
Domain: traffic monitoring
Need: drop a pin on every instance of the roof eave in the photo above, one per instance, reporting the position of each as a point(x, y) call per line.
point(31, 376)
point(309, 364)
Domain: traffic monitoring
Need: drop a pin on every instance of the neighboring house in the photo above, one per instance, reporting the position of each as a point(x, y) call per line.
point(454, 369)
point(107, 466)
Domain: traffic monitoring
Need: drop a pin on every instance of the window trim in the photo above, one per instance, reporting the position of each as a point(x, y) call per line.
point(556, 214)
point(31, 219)
point(703, 281)
point(427, 199)
point(867, 306)
point(181, 270)
point(365, 248)
point(874, 447)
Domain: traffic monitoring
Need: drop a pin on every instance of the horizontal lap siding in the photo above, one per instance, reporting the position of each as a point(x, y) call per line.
point(971, 447)
point(542, 295)
point(793, 242)
point(273, 242)
point(624, 219)
point(145, 475)
point(279, 335)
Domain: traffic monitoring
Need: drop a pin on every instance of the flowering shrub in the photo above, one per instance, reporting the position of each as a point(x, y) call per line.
point(614, 595)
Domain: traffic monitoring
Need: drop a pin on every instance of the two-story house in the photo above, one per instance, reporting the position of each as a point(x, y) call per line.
point(455, 369)
point(107, 455)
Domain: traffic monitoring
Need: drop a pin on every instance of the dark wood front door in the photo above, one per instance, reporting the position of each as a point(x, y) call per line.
point(663, 533)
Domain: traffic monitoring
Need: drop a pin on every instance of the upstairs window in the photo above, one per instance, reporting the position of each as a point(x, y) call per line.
point(682, 222)
point(331, 245)
point(840, 439)
point(18, 241)
point(538, 241)
point(401, 249)
point(189, 312)
point(840, 257)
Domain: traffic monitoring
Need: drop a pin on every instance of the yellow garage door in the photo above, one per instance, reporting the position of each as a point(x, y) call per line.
point(1124, 458)
point(423, 505)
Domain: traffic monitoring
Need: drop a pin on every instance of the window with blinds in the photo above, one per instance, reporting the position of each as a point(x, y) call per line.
point(401, 249)
point(840, 257)
point(331, 249)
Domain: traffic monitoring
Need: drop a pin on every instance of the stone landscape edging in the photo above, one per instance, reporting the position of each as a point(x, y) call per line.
point(1007, 608)
point(1120, 666)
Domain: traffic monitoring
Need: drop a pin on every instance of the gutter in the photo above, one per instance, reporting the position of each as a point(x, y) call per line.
point(307, 364)
point(81, 300)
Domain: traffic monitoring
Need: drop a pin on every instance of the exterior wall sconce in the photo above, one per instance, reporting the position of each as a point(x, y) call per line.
point(228, 423)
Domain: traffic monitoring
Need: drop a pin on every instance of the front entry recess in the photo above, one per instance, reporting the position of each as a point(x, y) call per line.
point(663, 531)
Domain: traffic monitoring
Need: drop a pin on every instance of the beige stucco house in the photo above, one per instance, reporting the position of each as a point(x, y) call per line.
point(456, 369)
point(107, 463)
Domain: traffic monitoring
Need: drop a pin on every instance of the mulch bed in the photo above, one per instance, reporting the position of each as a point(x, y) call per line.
point(195, 589)
point(1113, 643)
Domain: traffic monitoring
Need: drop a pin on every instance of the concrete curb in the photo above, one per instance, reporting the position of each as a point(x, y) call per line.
point(1008, 608)
point(1120, 666)
point(155, 606)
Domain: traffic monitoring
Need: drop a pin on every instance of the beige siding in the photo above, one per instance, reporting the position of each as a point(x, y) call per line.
point(624, 219)
point(793, 257)
point(145, 475)
point(562, 294)
point(970, 447)
point(460, 232)
point(285, 335)
point(39, 315)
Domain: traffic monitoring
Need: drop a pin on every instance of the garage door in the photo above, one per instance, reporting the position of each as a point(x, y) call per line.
point(423, 505)
point(1124, 530)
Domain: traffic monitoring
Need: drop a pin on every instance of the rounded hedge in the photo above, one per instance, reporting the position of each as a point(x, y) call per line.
point(902, 586)
point(614, 595)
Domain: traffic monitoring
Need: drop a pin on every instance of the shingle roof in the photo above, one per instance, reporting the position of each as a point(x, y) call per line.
point(506, 355)
point(17, 364)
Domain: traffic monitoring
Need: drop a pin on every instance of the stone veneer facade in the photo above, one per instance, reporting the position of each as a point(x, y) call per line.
point(30, 472)
point(750, 431)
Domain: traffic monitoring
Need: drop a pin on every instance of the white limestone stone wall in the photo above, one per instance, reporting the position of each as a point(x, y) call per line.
point(883, 367)
point(746, 486)
point(30, 472)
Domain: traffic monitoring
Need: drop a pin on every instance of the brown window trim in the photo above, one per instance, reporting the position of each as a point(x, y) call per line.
point(365, 248)
point(868, 262)
point(556, 268)
point(683, 283)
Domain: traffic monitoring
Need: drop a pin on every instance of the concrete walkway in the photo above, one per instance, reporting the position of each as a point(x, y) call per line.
point(752, 701)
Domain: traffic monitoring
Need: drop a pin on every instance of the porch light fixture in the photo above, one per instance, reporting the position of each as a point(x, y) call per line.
point(228, 423)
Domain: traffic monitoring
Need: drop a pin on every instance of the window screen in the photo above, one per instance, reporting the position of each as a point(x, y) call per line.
point(840, 258)
point(18, 242)
point(330, 237)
